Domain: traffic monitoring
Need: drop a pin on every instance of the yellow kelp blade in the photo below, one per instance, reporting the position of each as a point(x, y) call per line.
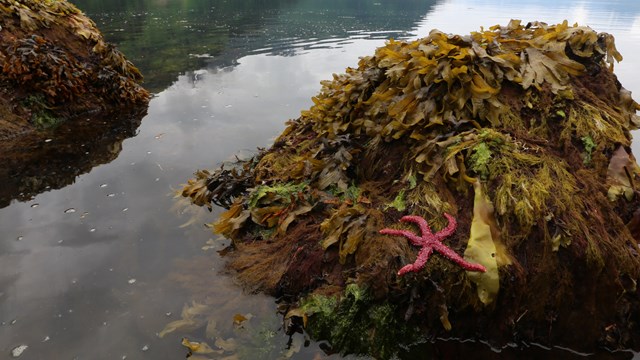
point(484, 248)
point(199, 347)
point(231, 220)
point(620, 173)
point(182, 325)
point(190, 319)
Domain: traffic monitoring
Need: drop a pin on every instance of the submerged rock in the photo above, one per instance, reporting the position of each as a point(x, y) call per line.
point(520, 132)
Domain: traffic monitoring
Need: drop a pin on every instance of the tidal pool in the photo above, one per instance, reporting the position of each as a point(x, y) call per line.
point(96, 269)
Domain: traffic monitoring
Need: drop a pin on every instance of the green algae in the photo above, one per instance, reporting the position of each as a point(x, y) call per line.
point(41, 115)
point(479, 160)
point(398, 203)
point(589, 146)
point(352, 324)
point(271, 194)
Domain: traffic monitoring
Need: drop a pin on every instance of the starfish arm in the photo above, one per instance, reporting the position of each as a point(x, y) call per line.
point(405, 269)
point(420, 262)
point(451, 255)
point(415, 240)
point(450, 229)
point(422, 224)
point(423, 256)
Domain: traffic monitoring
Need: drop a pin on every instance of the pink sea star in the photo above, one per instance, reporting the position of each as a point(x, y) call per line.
point(430, 242)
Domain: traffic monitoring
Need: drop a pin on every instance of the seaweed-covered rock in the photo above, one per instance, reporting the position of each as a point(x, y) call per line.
point(520, 134)
point(60, 81)
point(57, 66)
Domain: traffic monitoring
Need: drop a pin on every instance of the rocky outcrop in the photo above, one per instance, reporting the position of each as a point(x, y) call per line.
point(67, 97)
point(511, 143)
point(56, 66)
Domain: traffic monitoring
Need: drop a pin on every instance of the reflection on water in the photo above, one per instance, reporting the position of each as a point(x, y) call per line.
point(43, 161)
point(165, 38)
point(102, 280)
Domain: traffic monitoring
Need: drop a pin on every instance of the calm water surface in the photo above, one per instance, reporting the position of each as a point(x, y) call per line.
point(97, 269)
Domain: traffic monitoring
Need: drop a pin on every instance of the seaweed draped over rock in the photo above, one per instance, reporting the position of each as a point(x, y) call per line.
point(521, 133)
point(56, 65)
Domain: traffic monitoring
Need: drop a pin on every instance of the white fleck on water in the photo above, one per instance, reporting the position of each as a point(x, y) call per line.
point(132, 281)
point(18, 350)
point(70, 211)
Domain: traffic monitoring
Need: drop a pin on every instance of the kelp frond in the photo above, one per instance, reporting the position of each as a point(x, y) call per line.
point(485, 247)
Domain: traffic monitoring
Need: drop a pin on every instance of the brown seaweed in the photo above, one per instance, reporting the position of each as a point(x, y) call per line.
point(520, 113)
